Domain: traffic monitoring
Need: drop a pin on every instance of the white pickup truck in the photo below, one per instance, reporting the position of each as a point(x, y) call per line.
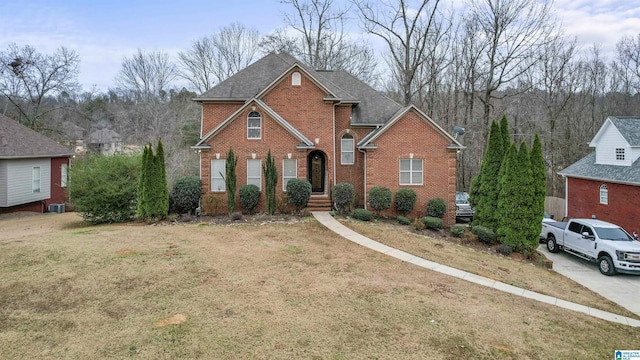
point(609, 245)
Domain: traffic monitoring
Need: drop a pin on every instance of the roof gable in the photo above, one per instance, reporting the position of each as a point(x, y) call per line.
point(18, 141)
point(586, 168)
point(627, 126)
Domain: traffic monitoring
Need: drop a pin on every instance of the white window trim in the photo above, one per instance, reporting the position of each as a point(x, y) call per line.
point(253, 176)
point(259, 128)
point(218, 176)
point(36, 179)
point(64, 175)
point(604, 194)
point(285, 178)
point(411, 171)
point(349, 150)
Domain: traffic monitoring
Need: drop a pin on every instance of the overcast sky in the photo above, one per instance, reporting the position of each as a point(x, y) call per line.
point(103, 32)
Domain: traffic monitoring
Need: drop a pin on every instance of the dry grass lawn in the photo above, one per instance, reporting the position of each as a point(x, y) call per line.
point(264, 291)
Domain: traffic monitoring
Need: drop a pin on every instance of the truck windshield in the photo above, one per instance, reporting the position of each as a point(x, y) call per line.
point(616, 234)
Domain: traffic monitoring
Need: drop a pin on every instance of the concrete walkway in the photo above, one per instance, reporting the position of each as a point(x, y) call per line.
point(334, 225)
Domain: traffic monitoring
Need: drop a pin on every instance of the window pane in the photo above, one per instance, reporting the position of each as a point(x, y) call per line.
point(217, 185)
point(405, 165)
point(404, 178)
point(254, 123)
point(347, 158)
point(253, 168)
point(289, 168)
point(218, 167)
point(254, 133)
point(416, 178)
point(417, 165)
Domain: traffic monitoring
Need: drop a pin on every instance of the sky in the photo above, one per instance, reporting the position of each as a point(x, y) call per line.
point(104, 32)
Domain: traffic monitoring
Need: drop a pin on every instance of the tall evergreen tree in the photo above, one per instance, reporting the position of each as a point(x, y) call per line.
point(230, 180)
point(271, 181)
point(507, 203)
point(161, 188)
point(143, 208)
point(486, 197)
point(539, 170)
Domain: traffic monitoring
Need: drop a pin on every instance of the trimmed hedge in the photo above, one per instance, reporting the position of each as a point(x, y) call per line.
point(458, 231)
point(484, 234)
point(432, 223)
point(298, 192)
point(403, 220)
point(185, 195)
point(249, 197)
point(436, 207)
point(343, 196)
point(362, 214)
point(380, 198)
point(405, 200)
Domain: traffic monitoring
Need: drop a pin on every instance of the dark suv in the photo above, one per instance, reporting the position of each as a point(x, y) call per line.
point(463, 208)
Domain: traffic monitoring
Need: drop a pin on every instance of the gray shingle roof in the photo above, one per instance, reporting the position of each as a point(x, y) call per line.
point(629, 127)
point(18, 141)
point(373, 107)
point(586, 168)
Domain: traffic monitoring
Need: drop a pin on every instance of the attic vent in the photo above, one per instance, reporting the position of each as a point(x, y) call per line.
point(296, 79)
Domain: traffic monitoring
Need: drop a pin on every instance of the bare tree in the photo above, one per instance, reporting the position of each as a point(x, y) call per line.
point(408, 32)
point(213, 59)
point(628, 59)
point(27, 77)
point(147, 74)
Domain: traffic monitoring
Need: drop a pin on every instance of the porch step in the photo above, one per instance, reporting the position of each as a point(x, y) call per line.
point(322, 203)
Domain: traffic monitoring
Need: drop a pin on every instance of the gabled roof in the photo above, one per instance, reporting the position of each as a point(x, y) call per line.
point(104, 136)
point(367, 141)
point(586, 168)
point(628, 126)
point(372, 107)
point(304, 141)
point(18, 141)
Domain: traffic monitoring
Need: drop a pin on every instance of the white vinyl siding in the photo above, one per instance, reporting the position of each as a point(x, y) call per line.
point(254, 125)
point(613, 149)
point(347, 150)
point(410, 171)
point(254, 172)
point(18, 183)
point(604, 194)
point(64, 175)
point(620, 154)
point(289, 171)
point(36, 179)
point(218, 171)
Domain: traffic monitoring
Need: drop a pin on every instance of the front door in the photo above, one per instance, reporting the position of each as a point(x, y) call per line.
point(316, 169)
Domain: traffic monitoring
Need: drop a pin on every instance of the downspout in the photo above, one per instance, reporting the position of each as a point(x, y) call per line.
point(365, 177)
point(566, 196)
point(333, 124)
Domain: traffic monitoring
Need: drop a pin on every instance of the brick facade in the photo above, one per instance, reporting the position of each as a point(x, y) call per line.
point(622, 208)
point(324, 122)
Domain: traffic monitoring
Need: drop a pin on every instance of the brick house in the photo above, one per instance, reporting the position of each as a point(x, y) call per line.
point(606, 183)
point(33, 169)
point(324, 126)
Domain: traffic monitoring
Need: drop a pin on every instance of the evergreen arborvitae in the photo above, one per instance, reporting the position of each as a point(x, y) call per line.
point(142, 208)
point(539, 170)
point(271, 181)
point(486, 198)
point(507, 204)
point(161, 188)
point(230, 180)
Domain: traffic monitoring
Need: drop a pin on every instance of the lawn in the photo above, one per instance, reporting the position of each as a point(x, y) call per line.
point(270, 290)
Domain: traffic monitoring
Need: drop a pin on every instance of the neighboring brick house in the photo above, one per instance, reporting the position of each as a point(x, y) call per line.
point(606, 183)
point(33, 169)
point(324, 126)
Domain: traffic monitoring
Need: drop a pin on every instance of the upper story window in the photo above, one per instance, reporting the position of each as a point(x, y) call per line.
point(35, 179)
point(296, 79)
point(410, 171)
point(619, 153)
point(254, 125)
point(347, 150)
point(604, 194)
point(218, 171)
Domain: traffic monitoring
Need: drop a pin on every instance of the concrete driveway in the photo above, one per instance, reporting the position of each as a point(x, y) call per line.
point(622, 289)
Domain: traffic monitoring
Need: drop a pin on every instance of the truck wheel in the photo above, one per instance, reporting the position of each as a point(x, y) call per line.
point(551, 244)
point(606, 265)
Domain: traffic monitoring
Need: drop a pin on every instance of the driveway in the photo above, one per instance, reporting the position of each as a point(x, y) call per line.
point(622, 289)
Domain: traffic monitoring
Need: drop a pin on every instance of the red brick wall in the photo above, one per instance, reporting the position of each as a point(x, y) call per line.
point(412, 134)
point(623, 206)
point(353, 174)
point(58, 193)
point(215, 113)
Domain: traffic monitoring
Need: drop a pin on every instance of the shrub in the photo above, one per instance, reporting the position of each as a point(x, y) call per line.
point(362, 214)
point(212, 203)
point(485, 234)
point(432, 223)
point(343, 196)
point(405, 200)
point(504, 249)
point(403, 220)
point(104, 188)
point(380, 198)
point(298, 192)
point(249, 197)
point(185, 195)
point(457, 231)
point(418, 224)
point(436, 207)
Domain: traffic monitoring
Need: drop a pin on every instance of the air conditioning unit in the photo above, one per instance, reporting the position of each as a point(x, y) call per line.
point(56, 208)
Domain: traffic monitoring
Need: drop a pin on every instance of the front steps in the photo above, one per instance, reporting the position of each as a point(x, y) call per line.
point(319, 203)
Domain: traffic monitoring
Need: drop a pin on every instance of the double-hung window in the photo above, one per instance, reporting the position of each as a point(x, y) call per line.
point(218, 171)
point(36, 179)
point(604, 194)
point(289, 171)
point(254, 125)
point(347, 150)
point(64, 175)
point(410, 171)
point(254, 172)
